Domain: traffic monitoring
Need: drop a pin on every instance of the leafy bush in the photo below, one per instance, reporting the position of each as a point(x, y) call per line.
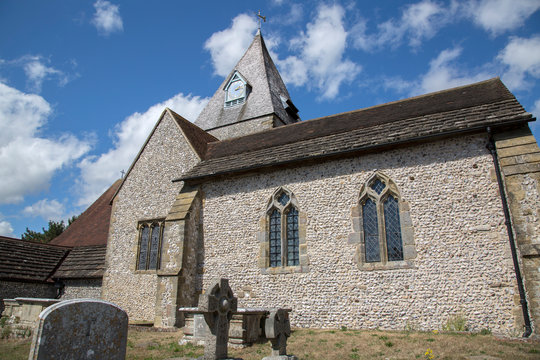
point(456, 322)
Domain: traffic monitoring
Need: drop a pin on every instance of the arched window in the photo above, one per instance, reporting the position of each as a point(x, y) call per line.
point(283, 234)
point(150, 238)
point(381, 225)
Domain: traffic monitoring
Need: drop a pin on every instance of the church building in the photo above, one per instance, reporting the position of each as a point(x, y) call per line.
point(401, 215)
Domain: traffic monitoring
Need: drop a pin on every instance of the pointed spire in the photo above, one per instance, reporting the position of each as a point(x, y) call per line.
point(267, 98)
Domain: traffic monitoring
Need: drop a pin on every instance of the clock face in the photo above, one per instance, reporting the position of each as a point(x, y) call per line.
point(236, 90)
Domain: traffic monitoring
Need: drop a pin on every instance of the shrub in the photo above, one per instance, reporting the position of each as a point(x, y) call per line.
point(456, 322)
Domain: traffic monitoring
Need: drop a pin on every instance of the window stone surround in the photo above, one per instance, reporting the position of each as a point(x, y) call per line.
point(264, 240)
point(407, 230)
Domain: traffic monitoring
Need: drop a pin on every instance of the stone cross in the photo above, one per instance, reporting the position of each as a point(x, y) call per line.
point(217, 305)
point(278, 328)
point(80, 329)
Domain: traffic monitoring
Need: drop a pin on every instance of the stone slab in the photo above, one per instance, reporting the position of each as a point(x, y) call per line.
point(80, 329)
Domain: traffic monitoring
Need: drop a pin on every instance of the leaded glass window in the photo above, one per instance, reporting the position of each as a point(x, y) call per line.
point(292, 237)
point(150, 238)
point(394, 244)
point(283, 230)
point(380, 220)
point(378, 186)
point(283, 199)
point(371, 231)
point(275, 238)
point(143, 248)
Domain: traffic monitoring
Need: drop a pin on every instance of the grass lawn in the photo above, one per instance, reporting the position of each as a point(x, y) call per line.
point(327, 345)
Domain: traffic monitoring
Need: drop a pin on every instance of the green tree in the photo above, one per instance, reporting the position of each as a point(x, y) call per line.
point(55, 228)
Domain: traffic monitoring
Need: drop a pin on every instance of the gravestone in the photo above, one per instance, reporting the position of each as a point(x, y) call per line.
point(80, 329)
point(277, 328)
point(217, 305)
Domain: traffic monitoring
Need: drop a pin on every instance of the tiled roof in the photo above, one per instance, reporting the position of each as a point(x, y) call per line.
point(92, 226)
point(463, 109)
point(28, 261)
point(197, 137)
point(83, 262)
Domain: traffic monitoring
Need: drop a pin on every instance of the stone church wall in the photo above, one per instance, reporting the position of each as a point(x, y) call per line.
point(81, 289)
point(147, 193)
point(462, 265)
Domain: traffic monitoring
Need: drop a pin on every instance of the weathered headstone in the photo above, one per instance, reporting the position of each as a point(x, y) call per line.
point(278, 328)
point(217, 306)
point(80, 329)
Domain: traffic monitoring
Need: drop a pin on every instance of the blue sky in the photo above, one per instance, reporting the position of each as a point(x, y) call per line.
point(82, 83)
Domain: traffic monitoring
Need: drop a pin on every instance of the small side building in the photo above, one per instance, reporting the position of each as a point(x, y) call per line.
point(27, 268)
point(81, 273)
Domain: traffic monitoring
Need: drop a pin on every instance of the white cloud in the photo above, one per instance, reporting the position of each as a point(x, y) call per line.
point(443, 73)
point(418, 22)
point(321, 47)
point(535, 127)
point(37, 70)
point(227, 46)
point(536, 109)
point(46, 209)
point(294, 70)
point(6, 229)
point(99, 172)
point(522, 58)
point(294, 16)
point(107, 17)
point(498, 16)
point(28, 161)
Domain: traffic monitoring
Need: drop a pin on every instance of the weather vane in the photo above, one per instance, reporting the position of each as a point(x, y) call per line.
point(261, 17)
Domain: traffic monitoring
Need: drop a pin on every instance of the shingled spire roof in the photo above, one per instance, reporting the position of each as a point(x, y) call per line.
point(268, 94)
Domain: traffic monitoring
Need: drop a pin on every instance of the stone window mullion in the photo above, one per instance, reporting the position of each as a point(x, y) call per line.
point(382, 231)
point(283, 238)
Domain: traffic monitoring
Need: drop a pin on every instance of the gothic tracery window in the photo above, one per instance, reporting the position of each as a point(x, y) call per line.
point(149, 250)
point(283, 230)
point(379, 204)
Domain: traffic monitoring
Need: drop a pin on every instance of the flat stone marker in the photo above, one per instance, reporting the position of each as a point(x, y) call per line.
point(217, 306)
point(80, 329)
point(277, 328)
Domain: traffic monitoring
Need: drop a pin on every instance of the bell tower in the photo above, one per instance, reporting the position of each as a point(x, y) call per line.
point(252, 97)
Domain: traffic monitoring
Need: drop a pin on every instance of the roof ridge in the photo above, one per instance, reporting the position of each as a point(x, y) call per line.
point(416, 97)
point(486, 92)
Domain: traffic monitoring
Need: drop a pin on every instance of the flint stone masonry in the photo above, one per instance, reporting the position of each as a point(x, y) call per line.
point(451, 191)
point(147, 193)
point(80, 329)
point(81, 288)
